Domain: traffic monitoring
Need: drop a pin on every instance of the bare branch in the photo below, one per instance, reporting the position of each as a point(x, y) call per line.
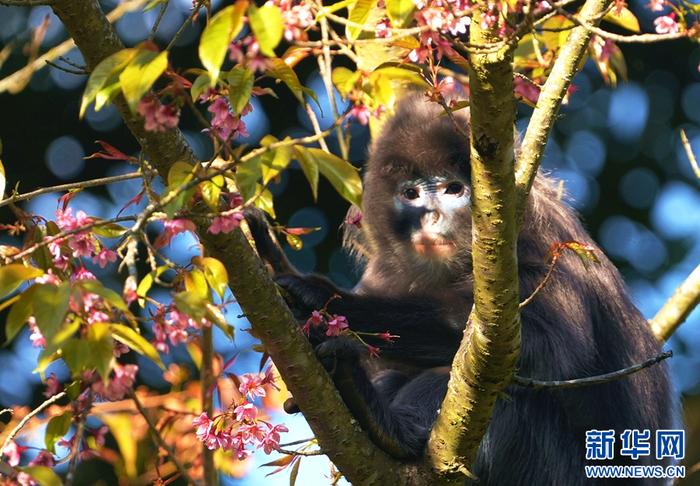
point(591, 380)
point(25, 3)
point(551, 96)
point(625, 39)
point(158, 439)
point(676, 309)
point(689, 152)
point(13, 433)
point(67, 187)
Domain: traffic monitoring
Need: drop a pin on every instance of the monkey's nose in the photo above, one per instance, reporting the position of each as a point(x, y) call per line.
point(431, 218)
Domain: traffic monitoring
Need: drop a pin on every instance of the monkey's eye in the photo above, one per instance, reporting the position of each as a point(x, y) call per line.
point(410, 193)
point(456, 188)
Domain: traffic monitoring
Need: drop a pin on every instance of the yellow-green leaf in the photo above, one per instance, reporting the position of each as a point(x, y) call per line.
point(359, 15)
point(101, 355)
point(200, 85)
point(218, 34)
point(121, 426)
point(105, 74)
point(147, 282)
point(268, 26)
point(191, 304)
point(214, 272)
point(625, 19)
point(196, 283)
point(400, 12)
point(3, 179)
point(278, 161)
point(109, 295)
point(310, 168)
point(50, 307)
point(248, 174)
point(109, 230)
point(342, 175)
point(55, 430)
point(280, 70)
point(264, 200)
point(240, 86)
point(13, 275)
point(19, 313)
point(211, 190)
point(345, 79)
point(179, 173)
point(126, 335)
point(140, 74)
point(43, 475)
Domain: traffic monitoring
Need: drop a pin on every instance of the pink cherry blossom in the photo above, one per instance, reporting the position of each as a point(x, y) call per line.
point(252, 385)
point(336, 325)
point(119, 384)
point(105, 257)
point(172, 228)
point(271, 441)
point(226, 223)
point(53, 386)
point(157, 117)
point(13, 451)
point(43, 458)
point(656, 5)
point(383, 28)
point(247, 411)
point(666, 24)
point(36, 337)
point(360, 113)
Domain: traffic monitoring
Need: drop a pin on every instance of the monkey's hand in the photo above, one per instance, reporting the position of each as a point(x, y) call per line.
point(308, 293)
point(266, 243)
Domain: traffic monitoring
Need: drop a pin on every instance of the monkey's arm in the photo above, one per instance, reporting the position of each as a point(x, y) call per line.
point(425, 337)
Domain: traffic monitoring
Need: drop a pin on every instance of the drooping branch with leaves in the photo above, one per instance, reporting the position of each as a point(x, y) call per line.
point(482, 55)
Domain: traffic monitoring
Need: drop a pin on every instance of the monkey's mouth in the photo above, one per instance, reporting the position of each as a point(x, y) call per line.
point(433, 246)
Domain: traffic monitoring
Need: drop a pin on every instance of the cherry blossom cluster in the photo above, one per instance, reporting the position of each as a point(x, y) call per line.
point(172, 327)
point(80, 243)
point(246, 52)
point(297, 17)
point(242, 426)
point(158, 117)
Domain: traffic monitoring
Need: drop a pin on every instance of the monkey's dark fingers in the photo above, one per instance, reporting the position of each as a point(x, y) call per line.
point(307, 293)
point(341, 348)
point(290, 406)
point(266, 243)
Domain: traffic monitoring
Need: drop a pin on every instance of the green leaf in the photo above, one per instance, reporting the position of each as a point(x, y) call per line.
point(625, 19)
point(126, 335)
point(55, 430)
point(147, 282)
point(13, 275)
point(211, 190)
point(105, 74)
point(19, 313)
point(50, 307)
point(43, 475)
point(109, 295)
point(268, 26)
point(191, 304)
point(400, 12)
point(359, 15)
point(280, 70)
point(107, 94)
point(109, 230)
point(264, 200)
point(179, 174)
point(101, 355)
point(240, 81)
point(196, 283)
point(310, 168)
point(200, 85)
point(275, 162)
point(75, 353)
point(248, 174)
point(345, 79)
point(217, 35)
point(214, 272)
point(342, 175)
point(140, 74)
point(215, 315)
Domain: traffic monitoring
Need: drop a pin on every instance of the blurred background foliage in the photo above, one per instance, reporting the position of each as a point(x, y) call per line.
point(618, 152)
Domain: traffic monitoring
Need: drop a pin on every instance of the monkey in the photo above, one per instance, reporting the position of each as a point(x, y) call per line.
point(415, 243)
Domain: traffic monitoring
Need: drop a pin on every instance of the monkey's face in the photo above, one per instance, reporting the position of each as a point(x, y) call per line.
point(427, 214)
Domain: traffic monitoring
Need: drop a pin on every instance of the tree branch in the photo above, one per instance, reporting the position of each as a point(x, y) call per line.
point(337, 432)
point(488, 353)
point(591, 380)
point(676, 309)
point(551, 96)
point(13, 433)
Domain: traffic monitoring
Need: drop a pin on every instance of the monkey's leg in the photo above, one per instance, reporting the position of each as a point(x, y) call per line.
point(399, 425)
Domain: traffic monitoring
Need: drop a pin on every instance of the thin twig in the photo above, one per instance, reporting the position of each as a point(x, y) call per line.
point(297, 442)
point(185, 24)
point(318, 452)
point(207, 383)
point(156, 24)
point(25, 3)
point(541, 285)
point(590, 380)
point(625, 39)
point(160, 441)
point(67, 187)
point(75, 451)
point(77, 72)
point(28, 417)
point(690, 154)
